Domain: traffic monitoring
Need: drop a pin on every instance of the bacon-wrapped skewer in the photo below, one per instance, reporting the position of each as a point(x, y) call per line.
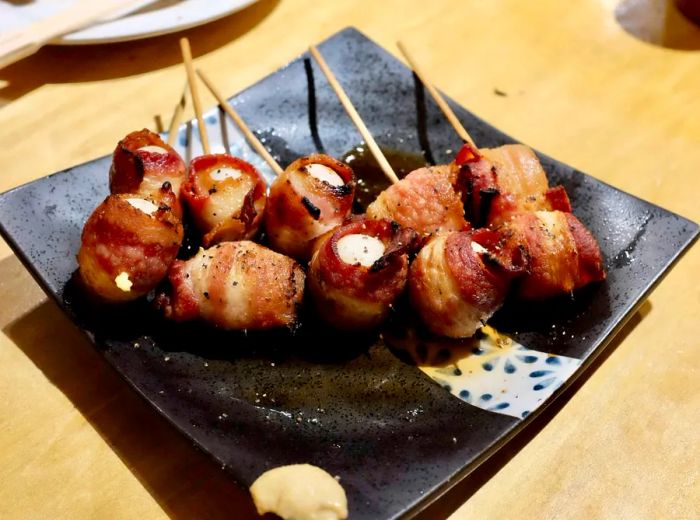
point(424, 200)
point(562, 255)
point(236, 286)
point(358, 271)
point(128, 244)
point(226, 196)
point(142, 162)
point(495, 183)
point(312, 196)
point(458, 280)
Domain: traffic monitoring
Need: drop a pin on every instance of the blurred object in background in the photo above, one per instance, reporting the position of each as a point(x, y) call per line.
point(660, 22)
point(24, 40)
point(150, 18)
point(690, 8)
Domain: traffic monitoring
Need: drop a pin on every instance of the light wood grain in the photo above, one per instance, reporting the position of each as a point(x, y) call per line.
point(436, 95)
point(75, 443)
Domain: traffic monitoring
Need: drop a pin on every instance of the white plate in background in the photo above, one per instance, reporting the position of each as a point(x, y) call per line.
point(160, 17)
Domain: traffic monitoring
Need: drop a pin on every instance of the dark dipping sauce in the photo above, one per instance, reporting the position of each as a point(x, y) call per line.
point(370, 178)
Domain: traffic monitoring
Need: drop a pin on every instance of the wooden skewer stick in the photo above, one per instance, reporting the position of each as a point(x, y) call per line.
point(449, 114)
point(194, 93)
point(350, 109)
point(249, 135)
point(177, 116)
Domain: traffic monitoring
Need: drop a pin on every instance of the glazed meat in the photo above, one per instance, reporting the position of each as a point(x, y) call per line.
point(226, 197)
point(128, 244)
point(458, 280)
point(142, 162)
point(498, 182)
point(562, 255)
point(358, 271)
point(311, 197)
point(424, 201)
point(236, 286)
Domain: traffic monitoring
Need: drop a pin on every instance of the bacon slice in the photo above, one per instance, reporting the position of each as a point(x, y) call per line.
point(562, 254)
point(499, 182)
point(457, 281)
point(301, 207)
point(424, 200)
point(235, 286)
point(353, 290)
point(142, 162)
point(126, 251)
point(226, 196)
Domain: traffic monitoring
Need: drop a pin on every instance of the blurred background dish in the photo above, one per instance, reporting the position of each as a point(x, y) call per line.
point(152, 19)
point(690, 8)
point(664, 23)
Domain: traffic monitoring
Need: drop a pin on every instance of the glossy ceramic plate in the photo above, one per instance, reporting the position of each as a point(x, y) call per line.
point(156, 18)
point(348, 404)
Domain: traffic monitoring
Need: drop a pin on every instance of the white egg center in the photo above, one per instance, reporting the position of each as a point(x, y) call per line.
point(360, 249)
point(325, 174)
point(143, 205)
point(478, 248)
point(221, 174)
point(122, 281)
point(152, 149)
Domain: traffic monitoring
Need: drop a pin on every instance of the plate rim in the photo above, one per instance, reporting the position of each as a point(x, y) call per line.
point(74, 39)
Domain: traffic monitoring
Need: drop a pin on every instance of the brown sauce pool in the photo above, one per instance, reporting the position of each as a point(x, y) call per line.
point(369, 176)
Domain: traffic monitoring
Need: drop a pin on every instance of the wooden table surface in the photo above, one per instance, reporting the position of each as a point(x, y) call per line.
point(75, 442)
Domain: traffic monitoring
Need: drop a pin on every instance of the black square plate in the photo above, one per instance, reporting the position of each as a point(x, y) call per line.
point(396, 439)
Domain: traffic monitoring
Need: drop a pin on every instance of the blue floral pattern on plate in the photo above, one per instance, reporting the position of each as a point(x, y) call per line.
point(503, 376)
